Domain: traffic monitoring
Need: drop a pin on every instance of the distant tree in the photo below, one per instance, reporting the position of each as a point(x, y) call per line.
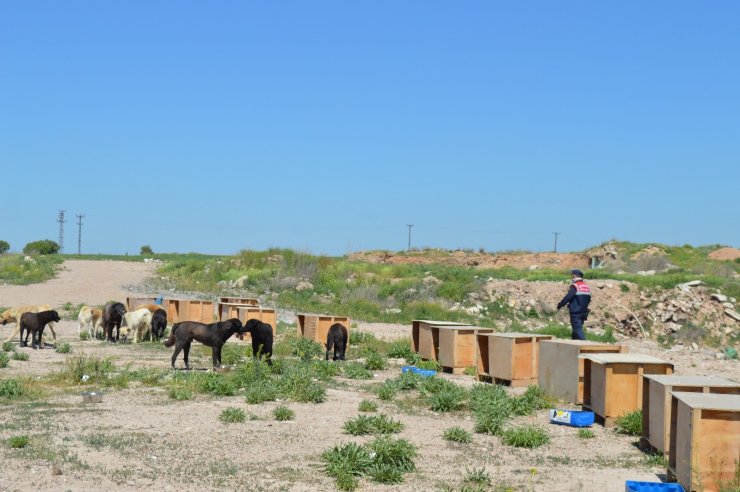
point(43, 247)
point(146, 250)
point(4, 247)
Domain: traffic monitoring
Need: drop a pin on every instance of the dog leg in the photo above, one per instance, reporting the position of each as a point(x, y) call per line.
point(178, 348)
point(186, 353)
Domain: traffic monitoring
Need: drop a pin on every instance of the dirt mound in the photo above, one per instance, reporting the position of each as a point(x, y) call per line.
point(725, 254)
point(558, 261)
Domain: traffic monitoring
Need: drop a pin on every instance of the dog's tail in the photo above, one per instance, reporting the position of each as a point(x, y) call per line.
point(171, 340)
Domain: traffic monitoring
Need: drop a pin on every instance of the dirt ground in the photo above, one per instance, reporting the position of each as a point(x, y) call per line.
point(561, 261)
point(140, 438)
point(725, 254)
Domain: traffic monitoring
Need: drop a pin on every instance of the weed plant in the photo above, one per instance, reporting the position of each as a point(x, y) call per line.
point(232, 415)
point(367, 406)
point(8, 346)
point(630, 424)
point(283, 413)
point(18, 442)
point(4, 360)
point(527, 436)
point(457, 434)
point(63, 348)
point(22, 356)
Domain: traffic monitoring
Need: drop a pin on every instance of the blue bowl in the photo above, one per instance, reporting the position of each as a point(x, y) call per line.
point(422, 372)
point(632, 486)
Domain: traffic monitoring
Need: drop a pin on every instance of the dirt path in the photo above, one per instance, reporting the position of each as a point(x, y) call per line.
point(80, 281)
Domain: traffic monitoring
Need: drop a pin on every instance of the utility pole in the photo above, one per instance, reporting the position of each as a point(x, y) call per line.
point(61, 220)
point(409, 226)
point(556, 234)
point(79, 234)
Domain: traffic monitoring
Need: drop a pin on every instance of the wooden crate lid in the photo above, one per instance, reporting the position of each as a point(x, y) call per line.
point(515, 335)
point(674, 380)
point(258, 309)
point(588, 343)
point(628, 358)
point(441, 323)
point(709, 401)
point(307, 315)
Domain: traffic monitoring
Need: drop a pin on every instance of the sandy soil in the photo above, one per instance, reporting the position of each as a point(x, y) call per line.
point(139, 438)
point(725, 254)
point(481, 260)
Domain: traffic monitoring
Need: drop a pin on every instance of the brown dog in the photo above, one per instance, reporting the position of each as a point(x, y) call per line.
point(213, 335)
point(13, 315)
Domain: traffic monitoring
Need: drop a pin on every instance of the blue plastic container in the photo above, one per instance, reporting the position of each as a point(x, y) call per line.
point(632, 486)
point(573, 418)
point(422, 372)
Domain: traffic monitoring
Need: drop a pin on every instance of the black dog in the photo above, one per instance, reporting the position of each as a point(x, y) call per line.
point(112, 316)
point(159, 323)
point(213, 335)
point(261, 338)
point(35, 323)
point(336, 338)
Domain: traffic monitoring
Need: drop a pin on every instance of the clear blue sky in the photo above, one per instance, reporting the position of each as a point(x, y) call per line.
point(327, 126)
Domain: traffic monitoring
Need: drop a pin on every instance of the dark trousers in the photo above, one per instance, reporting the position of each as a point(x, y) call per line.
point(576, 323)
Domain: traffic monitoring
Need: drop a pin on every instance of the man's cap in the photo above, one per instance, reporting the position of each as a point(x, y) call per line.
point(577, 273)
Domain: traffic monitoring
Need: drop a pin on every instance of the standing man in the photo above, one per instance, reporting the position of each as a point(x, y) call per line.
point(577, 299)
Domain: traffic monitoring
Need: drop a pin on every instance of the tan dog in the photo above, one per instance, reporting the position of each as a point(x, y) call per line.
point(150, 307)
point(12, 315)
point(89, 318)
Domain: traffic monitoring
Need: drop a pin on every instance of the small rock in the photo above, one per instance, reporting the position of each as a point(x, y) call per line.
point(646, 273)
point(728, 305)
point(720, 356)
point(732, 314)
point(304, 286)
point(600, 285)
point(694, 346)
point(718, 297)
point(533, 267)
point(56, 469)
point(694, 283)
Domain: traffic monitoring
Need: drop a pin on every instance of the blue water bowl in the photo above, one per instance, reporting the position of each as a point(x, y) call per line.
point(632, 486)
point(573, 418)
point(421, 372)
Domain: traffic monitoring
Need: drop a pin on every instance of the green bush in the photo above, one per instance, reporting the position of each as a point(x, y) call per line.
point(306, 349)
point(42, 247)
point(18, 442)
point(232, 415)
point(448, 399)
point(528, 436)
point(367, 406)
point(477, 476)
point(180, 394)
point(261, 391)
point(457, 434)
point(630, 424)
point(84, 335)
point(387, 391)
point(8, 346)
point(4, 247)
point(586, 434)
point(84, 369)
point(374, 361)
point(400, 349)
point(283, 413)
point(533, 399)
point(11, 389)
point(372, 424)
point(64, 348)
point(4, 360)
point(20, 356)
point(355, 370)
point(345, 461)
point(398, 453)
point(146, 250)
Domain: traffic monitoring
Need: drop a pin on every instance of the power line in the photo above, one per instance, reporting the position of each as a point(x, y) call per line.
point(79, 234)
point(409, 226)
point(556, 241)
point(61, 220)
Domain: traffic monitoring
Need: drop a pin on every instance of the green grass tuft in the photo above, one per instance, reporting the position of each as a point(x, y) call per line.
point(630, 424)
point(23, 356)
point(367, 406)
point(355, 370)
point(18, 442)
point(232, 415)
point(63, 348)
point(283, 413)
point(11, 389)
point(586, 434)
point(527, 436)
point(4, 360)
point(457, 434)
point(8, 346)
point(180, 394)
point(372, 424)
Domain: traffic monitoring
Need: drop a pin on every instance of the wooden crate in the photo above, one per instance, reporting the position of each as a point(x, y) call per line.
point(190, 310)
point(266, 315)
point(244, 301)
point(560, 371)
point(457, 347)
point(425, 336)
point(316, 327)
point(704, 449)
point(228, 310)
point(133, 302)
point(656, 403)
point(510, 357)
point(612, 383)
